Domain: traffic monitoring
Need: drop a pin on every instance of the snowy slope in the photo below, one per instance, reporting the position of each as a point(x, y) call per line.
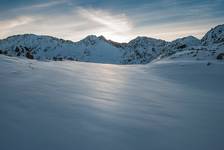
point(71, 105)
point(141, 50)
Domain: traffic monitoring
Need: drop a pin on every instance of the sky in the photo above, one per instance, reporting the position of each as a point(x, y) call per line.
point(118, 20)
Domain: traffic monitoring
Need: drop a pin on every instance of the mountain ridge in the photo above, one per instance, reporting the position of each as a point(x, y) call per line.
point(98, 49)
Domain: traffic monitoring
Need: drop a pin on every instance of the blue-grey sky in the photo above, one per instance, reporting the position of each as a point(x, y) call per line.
point(119, 20)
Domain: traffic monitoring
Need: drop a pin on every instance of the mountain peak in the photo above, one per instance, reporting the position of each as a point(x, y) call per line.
point(189, 41)
point(214, 36)
point(144, 38)
point(102, 37)
point(143, 41)
point(91, 37)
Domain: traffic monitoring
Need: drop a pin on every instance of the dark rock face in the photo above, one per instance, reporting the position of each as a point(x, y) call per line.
point(17, 49)
point(58, 58)
point(209, 63)
point(29, 55)
point(70, 58)
point(182, 46)
point(220, 56)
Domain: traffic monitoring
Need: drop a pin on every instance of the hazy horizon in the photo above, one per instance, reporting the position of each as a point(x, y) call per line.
point(119, 21)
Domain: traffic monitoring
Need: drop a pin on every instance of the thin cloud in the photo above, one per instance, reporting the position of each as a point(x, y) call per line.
point(114, 22)
point(19, 21)
point(44, 5)
point(73, 26)
point(7, 26)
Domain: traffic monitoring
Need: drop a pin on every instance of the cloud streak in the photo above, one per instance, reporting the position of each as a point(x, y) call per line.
point(117, 23)
point(43, 5)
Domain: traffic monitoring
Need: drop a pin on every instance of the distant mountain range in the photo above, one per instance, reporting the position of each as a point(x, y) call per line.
point(140, 50)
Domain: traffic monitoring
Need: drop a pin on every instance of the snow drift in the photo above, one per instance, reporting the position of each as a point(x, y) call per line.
point(72, 105)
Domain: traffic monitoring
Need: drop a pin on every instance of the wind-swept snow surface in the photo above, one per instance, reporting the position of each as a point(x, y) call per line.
point(82, 106)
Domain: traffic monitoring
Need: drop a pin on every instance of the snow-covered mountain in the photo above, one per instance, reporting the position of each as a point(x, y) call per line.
point(141, 50)
point(92, 48)
point(214, 36)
